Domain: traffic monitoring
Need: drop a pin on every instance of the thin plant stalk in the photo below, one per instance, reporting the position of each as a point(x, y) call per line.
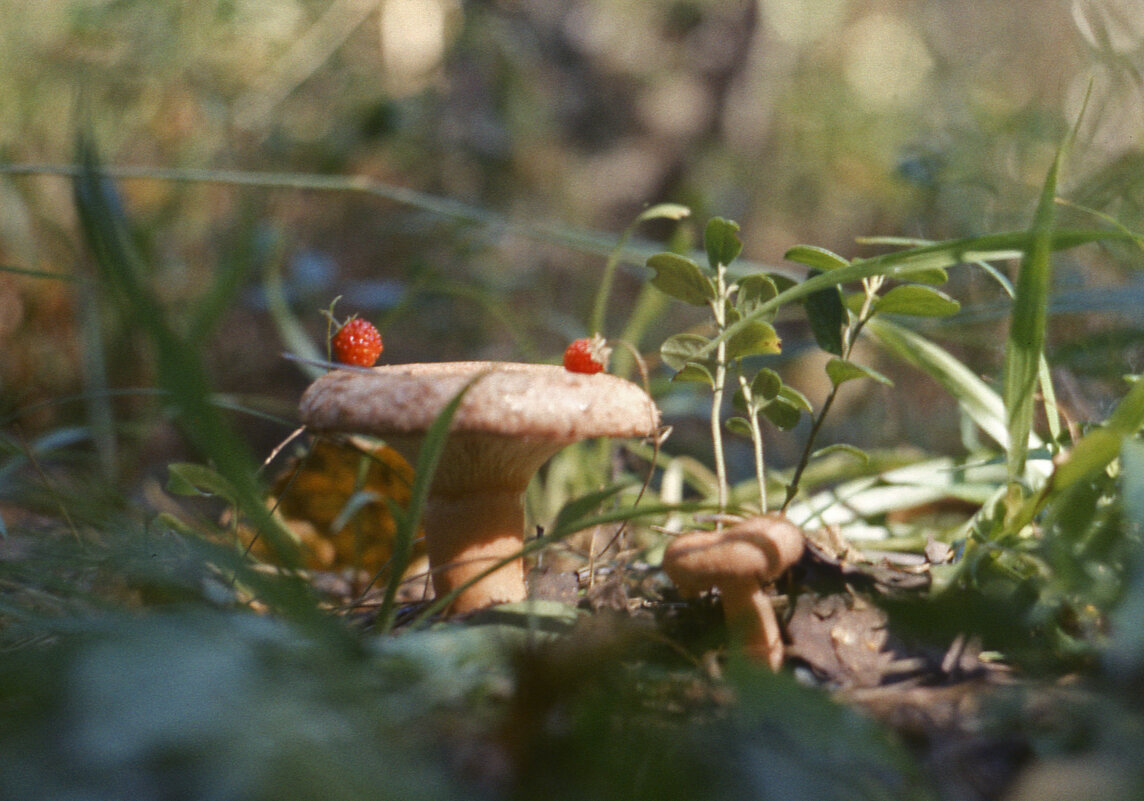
point(756, 442)
point(719, 308)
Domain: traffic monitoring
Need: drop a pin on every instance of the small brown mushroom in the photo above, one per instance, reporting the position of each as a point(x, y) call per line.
point(738, 561)
point(513, 418)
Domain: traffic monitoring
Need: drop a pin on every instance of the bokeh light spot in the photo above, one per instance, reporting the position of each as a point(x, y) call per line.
point(886, 60)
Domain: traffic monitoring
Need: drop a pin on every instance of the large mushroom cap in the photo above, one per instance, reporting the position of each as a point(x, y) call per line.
point(532, 410)
point(511, 399)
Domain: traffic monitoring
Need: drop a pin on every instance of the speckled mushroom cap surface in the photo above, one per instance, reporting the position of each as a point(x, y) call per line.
point(529, 400)
point(513, 418)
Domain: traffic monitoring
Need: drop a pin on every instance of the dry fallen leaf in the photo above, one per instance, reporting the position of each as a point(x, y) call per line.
point(313, 495)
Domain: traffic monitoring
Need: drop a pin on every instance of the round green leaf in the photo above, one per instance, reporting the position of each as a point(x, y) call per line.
point(681, 278)
point(766, 384)
point(819, 258)
point(782, 413)
point(721, 239)
point(795, 398)
point(696, 373)
point(680, 349)
point(755, 338)
point(917, 300)
point(739, 425)
point(754, 290)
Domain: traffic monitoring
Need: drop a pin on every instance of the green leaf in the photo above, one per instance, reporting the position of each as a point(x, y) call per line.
point(578, 509)
point(816, 257)
point(695, 373)
point(826, 315)
point(782, 283)
point(754, 290)
point(680, 349)
point(916, 300)
point(681, 278)
point(854, 301)
point(739, 425)
point(753, 339)
point(766, 384)
point(721, 239)
point(1025, 345)
point(840, 371)
point(795, 398)
point(784, 414)
point(934, 276)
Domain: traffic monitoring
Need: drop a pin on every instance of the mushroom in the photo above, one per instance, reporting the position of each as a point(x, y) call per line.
point(513, 418)
point(738, 561)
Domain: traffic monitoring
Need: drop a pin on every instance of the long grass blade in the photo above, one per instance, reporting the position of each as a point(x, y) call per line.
point(183, 378)
point(984, 406)
point(1025, 346)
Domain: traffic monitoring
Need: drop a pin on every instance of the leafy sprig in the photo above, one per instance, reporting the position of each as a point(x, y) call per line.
point(742, 315)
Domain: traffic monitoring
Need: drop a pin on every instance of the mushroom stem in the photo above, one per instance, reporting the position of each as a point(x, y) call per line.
point(739, 561)
point(465, 534)
point(751, 618)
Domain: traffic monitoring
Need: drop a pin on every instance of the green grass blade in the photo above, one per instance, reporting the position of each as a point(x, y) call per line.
point(1025, 346)
point(982, 404)
point(182, 377)
point(664, 211)
point(30, 273)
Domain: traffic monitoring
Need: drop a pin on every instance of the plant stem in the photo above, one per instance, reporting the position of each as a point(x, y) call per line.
point(719, 309)
point(757, 441)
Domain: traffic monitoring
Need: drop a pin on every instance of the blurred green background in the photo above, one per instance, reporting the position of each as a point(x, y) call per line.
point(459, 172)
point(805, 120)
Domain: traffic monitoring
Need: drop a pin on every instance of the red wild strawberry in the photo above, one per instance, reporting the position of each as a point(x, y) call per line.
point(587, 355)
point(357, 343)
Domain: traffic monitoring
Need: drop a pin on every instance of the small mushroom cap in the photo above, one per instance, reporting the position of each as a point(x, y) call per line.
point(512, 419)
point(760, 548)
point(528, 400)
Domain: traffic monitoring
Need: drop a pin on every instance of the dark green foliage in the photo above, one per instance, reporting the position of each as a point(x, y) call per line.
point(826, 315)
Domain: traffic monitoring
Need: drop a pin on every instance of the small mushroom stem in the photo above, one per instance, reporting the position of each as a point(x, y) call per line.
point(751, 618)
point(465, 534)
